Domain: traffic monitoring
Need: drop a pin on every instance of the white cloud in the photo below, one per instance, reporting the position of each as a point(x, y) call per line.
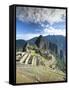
point(40, 14)
point(47, 31)
point(53, 31)
point(26, 36)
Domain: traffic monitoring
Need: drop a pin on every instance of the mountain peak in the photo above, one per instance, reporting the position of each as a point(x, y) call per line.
point(41, 36)
point(40, 42)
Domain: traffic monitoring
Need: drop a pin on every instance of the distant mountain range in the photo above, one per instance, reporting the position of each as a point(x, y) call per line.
point(20, 43)
point(55, 44)
point(59, 40)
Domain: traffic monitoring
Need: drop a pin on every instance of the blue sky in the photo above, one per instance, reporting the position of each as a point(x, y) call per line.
point(31, 22)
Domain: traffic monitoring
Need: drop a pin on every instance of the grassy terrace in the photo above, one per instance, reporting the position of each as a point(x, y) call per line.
point(31, 74)
point(37, 74)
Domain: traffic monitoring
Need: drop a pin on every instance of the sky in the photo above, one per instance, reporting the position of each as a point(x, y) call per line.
point(32, 22)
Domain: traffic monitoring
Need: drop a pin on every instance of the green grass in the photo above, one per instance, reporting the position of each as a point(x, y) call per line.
point(60, 64)
point(38, 74)
point(31, 74)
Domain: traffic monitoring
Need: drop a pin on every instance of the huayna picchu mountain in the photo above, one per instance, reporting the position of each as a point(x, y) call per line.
point(51, 42)
point(41, 59)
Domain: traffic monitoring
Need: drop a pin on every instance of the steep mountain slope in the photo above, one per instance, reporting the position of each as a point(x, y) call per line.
point(57, 39)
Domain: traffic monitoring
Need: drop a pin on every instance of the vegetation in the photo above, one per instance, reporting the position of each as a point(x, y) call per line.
point(40, 63)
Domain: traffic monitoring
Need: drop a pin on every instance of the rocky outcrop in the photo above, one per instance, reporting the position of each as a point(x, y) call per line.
point(41, 43)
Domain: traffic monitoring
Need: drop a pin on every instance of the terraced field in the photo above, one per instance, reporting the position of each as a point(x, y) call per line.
point(32, 67)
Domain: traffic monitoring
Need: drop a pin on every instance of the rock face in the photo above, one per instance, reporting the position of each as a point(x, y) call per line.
point(43, 46)
point(53, 47)
point(26, 46)
point(50, 42)
point(40, 42)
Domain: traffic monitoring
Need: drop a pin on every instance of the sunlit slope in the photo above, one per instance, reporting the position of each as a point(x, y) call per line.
point(32, 67)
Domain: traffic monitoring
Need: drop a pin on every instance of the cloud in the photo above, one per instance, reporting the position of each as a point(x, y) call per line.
point(44, 32)
point(53, 31)
point(42, 17)
point(26, 36)
point(39, 15)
